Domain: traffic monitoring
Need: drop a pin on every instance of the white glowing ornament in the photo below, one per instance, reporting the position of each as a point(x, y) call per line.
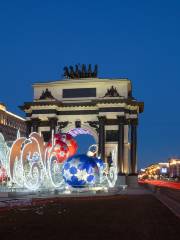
point(30, 165)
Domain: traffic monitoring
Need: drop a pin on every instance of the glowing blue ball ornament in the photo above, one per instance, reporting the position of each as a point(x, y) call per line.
point(82, 170)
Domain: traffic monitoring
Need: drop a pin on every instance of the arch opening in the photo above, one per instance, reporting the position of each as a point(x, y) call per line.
point(84, 138)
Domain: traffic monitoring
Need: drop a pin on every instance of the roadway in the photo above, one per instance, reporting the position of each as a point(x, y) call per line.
point(161, 183)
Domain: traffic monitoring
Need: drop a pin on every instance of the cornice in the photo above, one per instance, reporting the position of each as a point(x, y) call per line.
point(87, 81)
point(98, 103)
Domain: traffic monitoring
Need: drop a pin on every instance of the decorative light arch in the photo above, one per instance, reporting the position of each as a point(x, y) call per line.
point(85, 129)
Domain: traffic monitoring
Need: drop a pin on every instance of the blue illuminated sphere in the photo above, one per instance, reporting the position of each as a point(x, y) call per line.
point(82, 171)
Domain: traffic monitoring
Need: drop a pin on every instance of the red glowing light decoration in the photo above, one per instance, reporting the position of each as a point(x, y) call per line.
point(70, 141)
point(59, 149)
point(3, 174)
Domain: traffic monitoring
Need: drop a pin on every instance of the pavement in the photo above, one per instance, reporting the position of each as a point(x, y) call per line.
point(173, 205)
point(168, 195)
point(122, 216)
point(25, 199)
point(170, 199)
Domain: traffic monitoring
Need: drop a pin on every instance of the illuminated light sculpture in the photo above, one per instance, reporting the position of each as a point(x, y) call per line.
point(70, 141)
point(78, 131)
point(3, 175)
point(27, 161)
point(82, 171)
point(4, 151)
point(60, 149)
point(92, 151)
point(31, 164)
point(112, 174)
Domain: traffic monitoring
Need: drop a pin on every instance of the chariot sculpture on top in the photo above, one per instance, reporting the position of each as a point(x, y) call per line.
point(80, 71)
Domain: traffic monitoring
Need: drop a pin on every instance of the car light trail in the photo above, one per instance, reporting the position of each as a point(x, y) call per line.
point(160, 183)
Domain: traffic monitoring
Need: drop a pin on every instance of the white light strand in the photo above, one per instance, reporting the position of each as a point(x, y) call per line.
point(32, 166)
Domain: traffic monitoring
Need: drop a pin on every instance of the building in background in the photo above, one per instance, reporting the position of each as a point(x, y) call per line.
point(174, 167)
point(170, 169)
point(155, 171)
point(10, 123)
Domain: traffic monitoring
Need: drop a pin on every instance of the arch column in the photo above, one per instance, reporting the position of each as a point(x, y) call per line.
point(101, 149)
point(121, 121)
point(53, 124)
point(28, 127)
point(35, 124)
point(133, 152)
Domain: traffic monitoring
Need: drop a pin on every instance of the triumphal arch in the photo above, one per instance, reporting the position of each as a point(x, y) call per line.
point(84, 103)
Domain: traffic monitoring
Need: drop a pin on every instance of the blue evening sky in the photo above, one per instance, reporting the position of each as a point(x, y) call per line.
point(128, 38)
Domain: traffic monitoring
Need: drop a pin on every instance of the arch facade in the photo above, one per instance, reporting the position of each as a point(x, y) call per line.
point(105, 107)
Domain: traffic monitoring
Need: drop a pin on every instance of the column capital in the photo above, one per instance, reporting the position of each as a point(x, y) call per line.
point(53, 119)
point(35, 121)
point(29, 121)
point(102, 119)
point(53, 123)
point(121, 119)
